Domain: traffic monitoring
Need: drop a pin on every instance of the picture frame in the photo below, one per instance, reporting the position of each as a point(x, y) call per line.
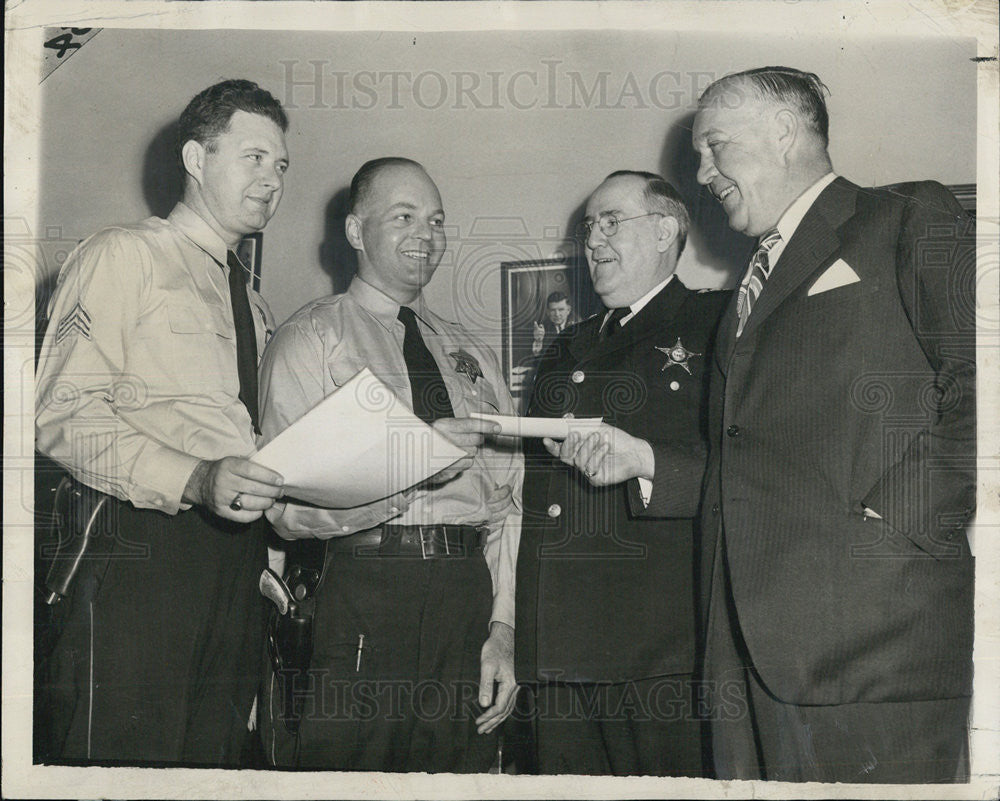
point(965, 194)
point(249, 251)
point(525, 287)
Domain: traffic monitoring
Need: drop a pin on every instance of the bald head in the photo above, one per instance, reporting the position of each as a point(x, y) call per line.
point(364, 178)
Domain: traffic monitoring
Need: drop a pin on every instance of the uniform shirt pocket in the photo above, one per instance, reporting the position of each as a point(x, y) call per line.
point(188, 320)
point(474, 397)
point(200, 351)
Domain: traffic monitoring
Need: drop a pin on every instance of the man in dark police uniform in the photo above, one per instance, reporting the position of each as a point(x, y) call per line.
point(605, 596)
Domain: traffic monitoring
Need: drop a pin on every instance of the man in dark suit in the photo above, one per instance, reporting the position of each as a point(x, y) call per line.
point(838, 574)
point(558, 316)
point(605, 600)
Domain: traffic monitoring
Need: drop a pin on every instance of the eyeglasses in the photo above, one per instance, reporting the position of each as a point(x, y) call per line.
point(608, 224)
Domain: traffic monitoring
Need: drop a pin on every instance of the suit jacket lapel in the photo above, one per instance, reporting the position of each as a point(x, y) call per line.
point(583, 337)
point(813, 243)
point(650, 319)
point(725, 337)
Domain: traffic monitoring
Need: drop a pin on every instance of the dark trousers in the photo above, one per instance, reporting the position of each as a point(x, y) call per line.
point(642, 727)
point(756, 736)
point(394, 680)
point(156, 655)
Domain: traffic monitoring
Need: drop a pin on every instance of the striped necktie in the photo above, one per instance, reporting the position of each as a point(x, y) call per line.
point(757, 274)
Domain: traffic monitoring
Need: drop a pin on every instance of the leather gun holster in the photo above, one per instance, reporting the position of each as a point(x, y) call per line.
point(290, 634)
point(76, 519)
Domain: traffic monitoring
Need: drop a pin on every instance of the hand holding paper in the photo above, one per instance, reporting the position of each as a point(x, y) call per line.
point(605, 456)
point(466, 433)
point(358, 445)
point(552, 427)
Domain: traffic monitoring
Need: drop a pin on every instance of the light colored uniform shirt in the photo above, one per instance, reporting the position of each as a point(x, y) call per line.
point(327, 342)
point(137, 379)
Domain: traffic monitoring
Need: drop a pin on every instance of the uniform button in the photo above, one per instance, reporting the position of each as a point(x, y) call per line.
point(733, 431)
point(715, 508)
point(393, 510)
point(555, 510)
point(577, 377)
point(474, 392)
point(345, 528)
point(568, 416)
point(674, 386)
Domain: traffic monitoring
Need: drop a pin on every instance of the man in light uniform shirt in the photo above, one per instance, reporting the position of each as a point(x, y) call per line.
point(413, 622)
point(140, 396)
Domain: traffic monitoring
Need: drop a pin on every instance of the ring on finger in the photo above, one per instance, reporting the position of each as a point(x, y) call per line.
point(237, 503)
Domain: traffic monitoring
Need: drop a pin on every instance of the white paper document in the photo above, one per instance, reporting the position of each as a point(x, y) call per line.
point(552, 427)
point(355, 446)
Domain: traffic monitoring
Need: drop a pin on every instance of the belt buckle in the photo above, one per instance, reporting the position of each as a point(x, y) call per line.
point(427, 534)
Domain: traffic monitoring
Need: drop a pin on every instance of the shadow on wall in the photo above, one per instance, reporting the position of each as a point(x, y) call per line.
point(586, 301)
point(162, 184)
point(720, 249)
point(336, 256)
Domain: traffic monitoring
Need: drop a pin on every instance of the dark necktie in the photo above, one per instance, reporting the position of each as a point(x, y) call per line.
point(430, 395)
point(614, 322)
point(246, 339)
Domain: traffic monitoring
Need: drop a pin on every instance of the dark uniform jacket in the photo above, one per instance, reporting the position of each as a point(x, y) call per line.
point(831, 401)
point(604, 584)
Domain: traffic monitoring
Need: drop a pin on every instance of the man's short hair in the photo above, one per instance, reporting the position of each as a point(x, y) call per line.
point(363, 178)
point(556, 297)
point(660, 196)
point(802, 90)
point(210, 111)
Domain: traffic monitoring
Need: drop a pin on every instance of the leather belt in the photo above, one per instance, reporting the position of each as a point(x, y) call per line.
point(439, 541)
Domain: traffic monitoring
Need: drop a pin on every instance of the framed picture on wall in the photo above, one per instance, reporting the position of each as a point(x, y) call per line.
point(249, 252)
point(539, 298)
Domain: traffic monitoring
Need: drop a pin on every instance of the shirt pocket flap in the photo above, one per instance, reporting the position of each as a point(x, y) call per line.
point(478, 397)
point(186, 320)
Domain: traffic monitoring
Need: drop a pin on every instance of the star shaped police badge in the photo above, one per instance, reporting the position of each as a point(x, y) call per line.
point(466, 363)
point(678, 354)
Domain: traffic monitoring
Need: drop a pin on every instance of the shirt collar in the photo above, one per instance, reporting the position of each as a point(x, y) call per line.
point(193, 226)
point(793, 214)
point(383, 308)
point(638, 305)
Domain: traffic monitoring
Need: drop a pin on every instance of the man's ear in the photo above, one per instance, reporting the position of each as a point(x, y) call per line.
point(786, 129)
point(668, 229)
point(352, 229)
point(193, 159)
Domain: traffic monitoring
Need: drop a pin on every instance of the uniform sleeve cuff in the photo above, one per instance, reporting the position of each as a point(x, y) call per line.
point(160, 477)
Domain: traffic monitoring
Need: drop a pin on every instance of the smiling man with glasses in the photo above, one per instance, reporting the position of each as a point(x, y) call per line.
point(605, 603)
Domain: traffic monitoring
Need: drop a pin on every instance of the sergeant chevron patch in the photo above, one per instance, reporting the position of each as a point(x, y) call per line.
point(76, 323)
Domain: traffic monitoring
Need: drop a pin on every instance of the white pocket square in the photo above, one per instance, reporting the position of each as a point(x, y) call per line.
point(836, 275)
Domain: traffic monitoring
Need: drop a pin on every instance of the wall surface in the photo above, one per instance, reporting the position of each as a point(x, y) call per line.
point(516, 129)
